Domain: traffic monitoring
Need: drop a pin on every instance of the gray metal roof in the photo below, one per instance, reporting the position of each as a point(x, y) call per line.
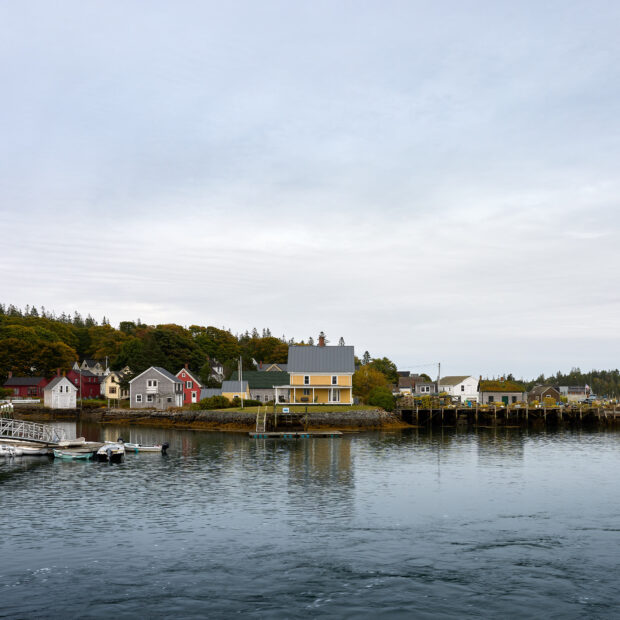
point(321, 359)
point(233, 386)
point(209, 392)
point(56, 381)
point(15, 381)
point(167, 374)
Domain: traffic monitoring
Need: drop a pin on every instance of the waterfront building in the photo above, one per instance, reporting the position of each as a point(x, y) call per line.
point(236, 389)
point(540, 392)
point(25, 387)
point(407, 383)
point(60, 393)
point(319, 375)
point(262, 383)
point(111, 384)
point(574, 393)
point(155, 388)
point(191, 385)
point(87, 383)
point(500, 391)
point(425, 388)
point(464, 387)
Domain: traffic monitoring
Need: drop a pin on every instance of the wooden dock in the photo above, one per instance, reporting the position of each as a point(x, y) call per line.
point(507, 415)
point(293, 434)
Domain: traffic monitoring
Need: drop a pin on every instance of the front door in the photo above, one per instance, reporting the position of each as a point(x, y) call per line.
point(193, 397)
point(505, 400)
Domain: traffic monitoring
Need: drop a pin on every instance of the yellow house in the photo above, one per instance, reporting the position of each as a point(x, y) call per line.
point(235, 389)
point(111, 385)
point(319, 375)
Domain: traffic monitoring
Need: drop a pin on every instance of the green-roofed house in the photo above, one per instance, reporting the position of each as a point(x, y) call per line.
point(500, 391)
point(261, 384)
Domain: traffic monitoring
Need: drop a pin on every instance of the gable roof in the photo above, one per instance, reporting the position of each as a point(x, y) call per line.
point(160, 370)
point(268, 366)
point(540, 389)
point(17, 381)
point(209, 392)
point(55, 381)
point(258, 379)
point(486, 385)
point(233, 386)
point(453, 380)
point(191, 374)
point(321, 359)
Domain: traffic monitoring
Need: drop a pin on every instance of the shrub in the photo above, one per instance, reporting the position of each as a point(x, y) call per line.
point(381, 397)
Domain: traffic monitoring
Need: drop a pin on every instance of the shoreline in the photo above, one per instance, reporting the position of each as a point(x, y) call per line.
point(219, 420)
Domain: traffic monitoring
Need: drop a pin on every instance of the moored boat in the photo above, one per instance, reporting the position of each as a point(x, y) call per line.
point(138, 447)
point(111, 452)
point(7, 451)
point(68, 455)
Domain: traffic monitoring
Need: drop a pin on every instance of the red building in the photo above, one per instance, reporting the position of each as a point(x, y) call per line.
point(191, 386)
point(87, 384)
point(26, 387)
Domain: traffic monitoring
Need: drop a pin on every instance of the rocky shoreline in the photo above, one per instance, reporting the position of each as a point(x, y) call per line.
point(218, 420)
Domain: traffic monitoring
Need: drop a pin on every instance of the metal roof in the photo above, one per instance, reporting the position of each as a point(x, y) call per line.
point(55, 381)
point(15, 381)
point(454, 380)
point(259, 379)
point(321, 359)
point(209, 392)
point(233, 386)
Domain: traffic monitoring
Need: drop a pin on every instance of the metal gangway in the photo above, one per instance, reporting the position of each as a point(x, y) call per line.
point(31, 431)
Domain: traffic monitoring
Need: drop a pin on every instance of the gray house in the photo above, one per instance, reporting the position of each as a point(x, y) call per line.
point(155, 388)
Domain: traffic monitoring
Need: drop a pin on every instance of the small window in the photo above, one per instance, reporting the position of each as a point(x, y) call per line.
point(462, 388)
point(514, 399)
point(306, 380)
point(189, 385)
point(138, 398)
point(334, 380)
point(149, 398)
point(112, 390)
point(151, 382)
point(306, 392)
point(169, 399)
point(491, 399)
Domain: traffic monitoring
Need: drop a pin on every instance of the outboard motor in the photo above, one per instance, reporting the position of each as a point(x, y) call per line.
point(120, 440)
point(109, 453)
point(164, 447)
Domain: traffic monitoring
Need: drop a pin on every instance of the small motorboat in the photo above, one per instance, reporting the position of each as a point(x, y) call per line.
point(138, 447)
point(34, 450)
point(68, 455)
point(111, 452)
point(10, 451)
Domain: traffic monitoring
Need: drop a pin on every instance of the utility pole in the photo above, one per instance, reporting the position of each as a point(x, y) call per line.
point(438, 377)
point(241, 380)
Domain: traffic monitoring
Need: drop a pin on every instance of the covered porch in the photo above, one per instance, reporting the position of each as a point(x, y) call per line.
point(313, 394)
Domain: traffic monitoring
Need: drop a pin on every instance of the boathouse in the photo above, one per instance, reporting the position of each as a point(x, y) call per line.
point(60, 393)
point(500, 391)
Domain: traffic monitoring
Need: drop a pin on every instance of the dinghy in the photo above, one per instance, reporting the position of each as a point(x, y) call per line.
point(9, 451)
point(67, 455)
point(138, 447)
point(111, 452)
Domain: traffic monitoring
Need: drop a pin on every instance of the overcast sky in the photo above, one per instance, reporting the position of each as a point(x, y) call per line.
point(433, 181)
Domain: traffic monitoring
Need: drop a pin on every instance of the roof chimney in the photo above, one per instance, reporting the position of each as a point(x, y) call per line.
point(58, 372)
point(10, 373)
point(260, 364)
point(186, 366)
point(321, 339)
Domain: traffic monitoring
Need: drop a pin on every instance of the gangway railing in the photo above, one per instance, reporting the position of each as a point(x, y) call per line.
point(31, 431)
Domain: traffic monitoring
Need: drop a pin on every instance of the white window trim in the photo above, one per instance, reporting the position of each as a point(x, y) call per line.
point(138, 398)
point(306, 379)
point(334, 379)
point(188, 385)
point(149, 398)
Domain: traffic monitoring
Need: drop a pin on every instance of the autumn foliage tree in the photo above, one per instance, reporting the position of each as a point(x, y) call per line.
point(365, 379)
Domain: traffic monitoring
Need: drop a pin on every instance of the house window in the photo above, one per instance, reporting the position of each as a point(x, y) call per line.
point(138, 398)
point(189, 385)
point(334, 380)
point(306, 392)
point(491, 399)
point(514, 399)
point(336, 396)
point(149, 398)
point(112, 390)
point(462, 388)
point(306, 380)
point(169, 399)
point(151, 383)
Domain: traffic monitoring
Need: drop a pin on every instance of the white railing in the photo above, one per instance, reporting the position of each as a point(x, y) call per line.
point(32, 431)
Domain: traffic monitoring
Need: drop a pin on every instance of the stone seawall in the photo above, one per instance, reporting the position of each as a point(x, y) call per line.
point(362, 419)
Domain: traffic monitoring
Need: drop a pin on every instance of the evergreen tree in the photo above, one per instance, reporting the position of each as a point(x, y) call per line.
point(341, 342)
point(366, 359)
point(311, 341)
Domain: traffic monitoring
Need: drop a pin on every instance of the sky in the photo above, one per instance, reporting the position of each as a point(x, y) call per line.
point(434, 181)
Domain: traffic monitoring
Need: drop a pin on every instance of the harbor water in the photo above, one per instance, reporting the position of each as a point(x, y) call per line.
point(442, 524)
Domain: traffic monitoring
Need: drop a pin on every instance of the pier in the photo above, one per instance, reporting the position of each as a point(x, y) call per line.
point(520, 414)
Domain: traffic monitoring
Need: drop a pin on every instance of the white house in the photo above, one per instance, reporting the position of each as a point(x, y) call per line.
point(463, 386)
point(60, 393)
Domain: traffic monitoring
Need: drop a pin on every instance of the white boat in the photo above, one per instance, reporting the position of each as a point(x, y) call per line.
point(138, 447)
point(10, 451)
point(111, 452)
point(34, 450)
